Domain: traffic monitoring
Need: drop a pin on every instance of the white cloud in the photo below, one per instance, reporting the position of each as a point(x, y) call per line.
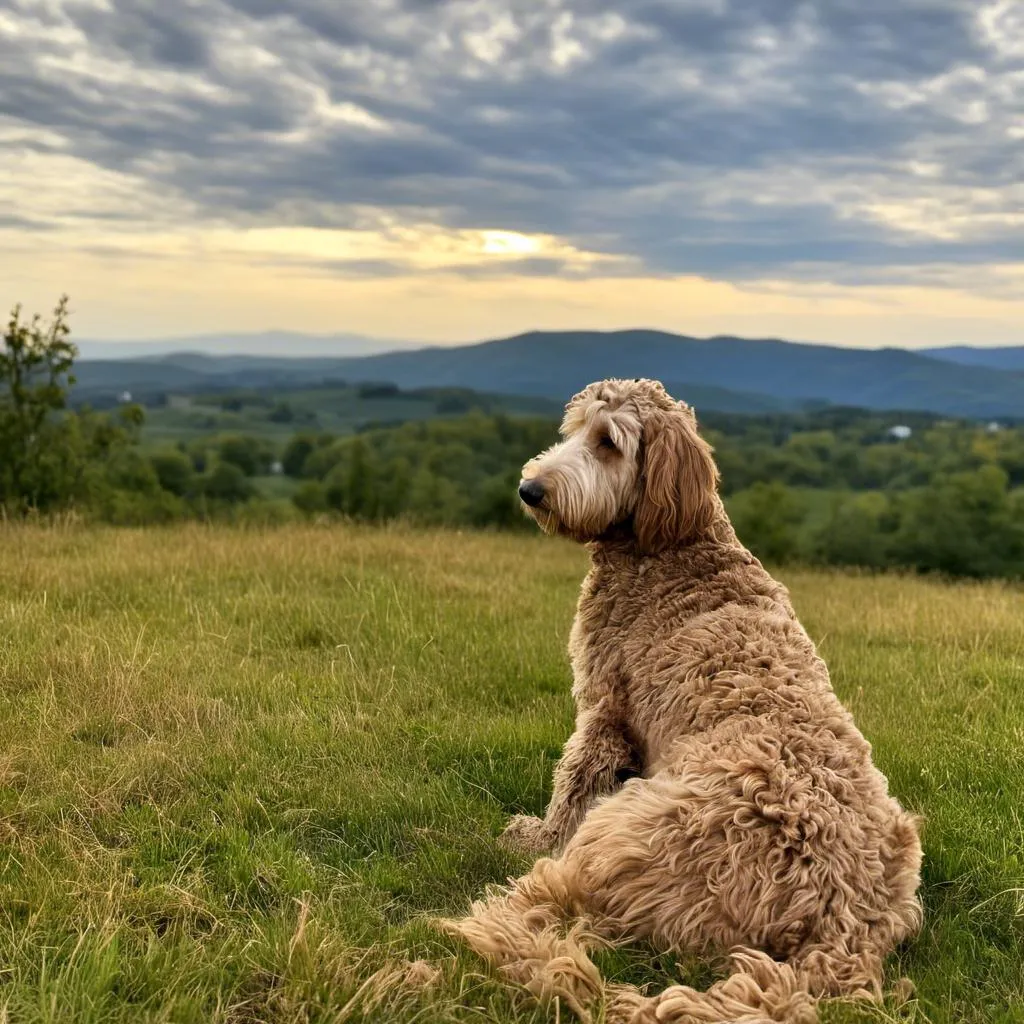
point(489, 44)
point(1001, 26)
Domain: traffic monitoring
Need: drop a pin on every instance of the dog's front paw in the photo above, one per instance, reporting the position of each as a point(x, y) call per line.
point(527, 834)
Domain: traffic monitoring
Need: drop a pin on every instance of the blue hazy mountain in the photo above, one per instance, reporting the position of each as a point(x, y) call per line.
point(559, 363)
point(1009, 357)
point(271, 344)
point(725, 373)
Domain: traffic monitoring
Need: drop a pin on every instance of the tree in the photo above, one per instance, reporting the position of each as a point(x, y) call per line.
point(964, 524)
point(498, 503)
point(298, 449)
point(174, 471)
point(251, 455)
point(35, 374)
point(394, 489)
point(766, 517)
point(226, 482)
point(857, 531)
point(360, 500)
point(378, 390)
point(310, 497)
point(281, 413)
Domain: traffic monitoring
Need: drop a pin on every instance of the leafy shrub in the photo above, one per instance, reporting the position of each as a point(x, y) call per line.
point(226, 482)
point(858, 531)
point(767, 518)
point(964, 524)
point(174, 471)
point(311, 497)
point(250, 454)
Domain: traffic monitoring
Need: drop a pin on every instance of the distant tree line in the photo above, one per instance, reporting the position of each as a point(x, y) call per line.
point(832, 487)
point(948, 499)
point(438, 472)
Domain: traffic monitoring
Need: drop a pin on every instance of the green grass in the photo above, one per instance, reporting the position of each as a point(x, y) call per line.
point(237, 768)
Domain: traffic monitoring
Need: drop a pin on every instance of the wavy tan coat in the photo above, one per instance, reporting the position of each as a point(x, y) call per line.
point(715, 794)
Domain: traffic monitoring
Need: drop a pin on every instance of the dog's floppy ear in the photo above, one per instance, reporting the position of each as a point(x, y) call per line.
point(678, 483)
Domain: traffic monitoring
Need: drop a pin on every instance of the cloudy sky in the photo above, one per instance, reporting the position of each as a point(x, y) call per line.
point(833, 170)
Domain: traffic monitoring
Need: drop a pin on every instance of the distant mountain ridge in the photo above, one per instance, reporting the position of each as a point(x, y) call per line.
point(269, 344)
point(724, 373)
point(1009, 357)
point(559, 363)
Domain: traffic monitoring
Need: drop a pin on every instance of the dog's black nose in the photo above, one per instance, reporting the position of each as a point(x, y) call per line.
point(532, 492)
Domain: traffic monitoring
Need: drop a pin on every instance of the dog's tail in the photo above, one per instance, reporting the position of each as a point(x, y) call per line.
point(528, 930)
point(536, 932)
point(759, 990)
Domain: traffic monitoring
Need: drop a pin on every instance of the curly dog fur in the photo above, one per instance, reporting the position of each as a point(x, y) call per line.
point(715, 794)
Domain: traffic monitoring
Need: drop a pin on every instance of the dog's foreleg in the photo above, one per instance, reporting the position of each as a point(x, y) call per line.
point(596, 759)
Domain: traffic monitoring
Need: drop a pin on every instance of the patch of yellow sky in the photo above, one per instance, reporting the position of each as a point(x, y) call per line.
point(138, 265)
point(219, 280)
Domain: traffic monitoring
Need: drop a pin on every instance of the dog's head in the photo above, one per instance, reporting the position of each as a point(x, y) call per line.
point(630, 455)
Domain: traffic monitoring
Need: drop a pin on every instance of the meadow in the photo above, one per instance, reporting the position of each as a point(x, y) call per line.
point(240, 768)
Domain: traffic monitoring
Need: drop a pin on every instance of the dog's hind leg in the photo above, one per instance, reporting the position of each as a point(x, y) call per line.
point(602, 888)
point(651, 863)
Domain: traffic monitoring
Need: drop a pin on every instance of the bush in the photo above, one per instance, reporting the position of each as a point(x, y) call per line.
point(130, 508)
point(251, 455)
point(226, 482)
point(174, 472)
point(767, 518)
point(858, 531)
point(498, 503)
point(129, 470)
point(299, 449)
point(311, 497)
point(964, 524)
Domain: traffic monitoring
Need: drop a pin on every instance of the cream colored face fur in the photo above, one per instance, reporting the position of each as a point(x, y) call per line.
point(591, 478)
point(631, 455)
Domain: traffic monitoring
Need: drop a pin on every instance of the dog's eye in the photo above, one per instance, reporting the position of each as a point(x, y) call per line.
point(607, 443)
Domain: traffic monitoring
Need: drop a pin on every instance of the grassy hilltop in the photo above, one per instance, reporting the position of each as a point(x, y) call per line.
point(239, 766)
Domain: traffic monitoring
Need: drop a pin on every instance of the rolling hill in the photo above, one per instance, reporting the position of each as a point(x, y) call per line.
point(549, 363)
point(722, 373)
point(1009, 357)
point(102, 382)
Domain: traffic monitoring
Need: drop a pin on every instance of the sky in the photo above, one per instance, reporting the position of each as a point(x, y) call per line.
point(847, 171)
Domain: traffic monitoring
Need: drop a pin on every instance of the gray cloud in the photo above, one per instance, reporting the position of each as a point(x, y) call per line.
point(146, 34)
point(12, 220)
point(527, 267)
point(730, 138)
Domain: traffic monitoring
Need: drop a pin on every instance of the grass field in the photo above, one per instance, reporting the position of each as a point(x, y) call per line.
point(238, 768)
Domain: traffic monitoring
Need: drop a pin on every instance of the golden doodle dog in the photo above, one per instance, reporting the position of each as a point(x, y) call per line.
point(715, 795)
